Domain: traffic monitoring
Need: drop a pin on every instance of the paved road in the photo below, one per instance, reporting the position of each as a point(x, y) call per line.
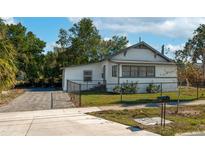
point(38, 99)
point(59, 122)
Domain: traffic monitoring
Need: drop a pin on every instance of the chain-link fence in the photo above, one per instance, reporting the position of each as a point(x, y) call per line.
point(102, 93)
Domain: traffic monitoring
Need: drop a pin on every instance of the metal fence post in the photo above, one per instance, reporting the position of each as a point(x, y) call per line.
point(179, 87)
point(161, 89)
point(161, 115)
point(79, 95)
point(164, 114)
point(197, 86)
point(121, 93)
point(74, 92)
point(51, 100)
point(67, 85)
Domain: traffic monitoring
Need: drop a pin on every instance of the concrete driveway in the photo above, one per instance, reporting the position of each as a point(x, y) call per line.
point(38, 99)
point(73, 121)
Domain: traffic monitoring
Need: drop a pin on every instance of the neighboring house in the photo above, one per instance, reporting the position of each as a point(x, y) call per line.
point(138, 63)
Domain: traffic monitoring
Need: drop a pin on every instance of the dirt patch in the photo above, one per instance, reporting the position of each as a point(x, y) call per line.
point(10, 95)
point(189, 113)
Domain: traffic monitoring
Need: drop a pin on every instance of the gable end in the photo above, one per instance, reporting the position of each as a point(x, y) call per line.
point(142, 45)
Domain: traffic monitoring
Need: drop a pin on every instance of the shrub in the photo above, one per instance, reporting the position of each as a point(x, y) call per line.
point(130, 88)
point(127, 88)
point(151, 88)
point(117, 89)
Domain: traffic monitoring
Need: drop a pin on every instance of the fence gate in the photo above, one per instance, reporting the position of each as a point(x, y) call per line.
point(74, 91)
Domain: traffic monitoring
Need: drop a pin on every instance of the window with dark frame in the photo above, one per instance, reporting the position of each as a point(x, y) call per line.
point(125, 70)
point(138, 71)
point(114, 71)
point(142, 71)
point(133, 71)
point(150, 71)
point(87, 75)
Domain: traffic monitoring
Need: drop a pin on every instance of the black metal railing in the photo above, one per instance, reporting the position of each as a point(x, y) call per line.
point(81, 92)
point(74, 91)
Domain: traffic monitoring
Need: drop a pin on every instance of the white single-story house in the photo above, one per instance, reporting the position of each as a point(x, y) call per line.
point(138, 63)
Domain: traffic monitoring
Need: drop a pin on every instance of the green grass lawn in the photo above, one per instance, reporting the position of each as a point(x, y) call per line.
point(104, 98)
point(6, 98)
point(189, 119)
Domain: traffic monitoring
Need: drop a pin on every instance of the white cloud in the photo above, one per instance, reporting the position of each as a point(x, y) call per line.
point(8, 20)
point(50, 46)
point(173, 48)
point(106, 38)
point(170, 49)
point(170, 27)
point(129, 44)
point(74, 19)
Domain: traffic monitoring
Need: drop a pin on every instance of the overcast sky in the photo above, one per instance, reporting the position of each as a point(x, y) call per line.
point(172, 32)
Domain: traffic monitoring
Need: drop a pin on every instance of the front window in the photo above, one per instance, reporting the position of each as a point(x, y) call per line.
point(138, 71)
point(134, 71)
point(150, 71)
point(142, 71)
point(126, 71)
point(114, 71)
point(87, 75)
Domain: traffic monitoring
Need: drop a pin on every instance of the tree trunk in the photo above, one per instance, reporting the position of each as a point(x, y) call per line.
point(187, 83)
point(203, 66)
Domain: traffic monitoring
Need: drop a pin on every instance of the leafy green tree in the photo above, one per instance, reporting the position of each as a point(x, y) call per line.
point(112, 46)
point(7, 57)
point(194, 49)
point(63, 41)
point(52, 70)
point(83, 40)
point(83, 44)
point(29, 51)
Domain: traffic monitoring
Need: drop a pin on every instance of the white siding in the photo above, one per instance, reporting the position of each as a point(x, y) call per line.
point(75, 73)
point(109, 78)
point(166, 71)
point(139, 54)
point(165, 74)
point(168, 84)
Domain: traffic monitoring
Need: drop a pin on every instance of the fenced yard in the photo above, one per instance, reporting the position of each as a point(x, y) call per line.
point(105, 98)
point(98, 96)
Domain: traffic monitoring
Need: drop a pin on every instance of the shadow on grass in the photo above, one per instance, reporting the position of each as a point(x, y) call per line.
point(151, 102)
point(97, 93)
point(130, 101)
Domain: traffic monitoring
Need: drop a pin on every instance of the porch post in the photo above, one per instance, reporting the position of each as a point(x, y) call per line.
point(118, 73)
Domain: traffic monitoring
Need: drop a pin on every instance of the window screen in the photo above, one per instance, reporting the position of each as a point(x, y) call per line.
point(126, 71)
point(134, 71)
point(142, 71)
point(150, 71)
point(87, 75)
point(138, 71)
point(114, 71)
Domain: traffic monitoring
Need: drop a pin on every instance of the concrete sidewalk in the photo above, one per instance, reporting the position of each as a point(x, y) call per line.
point(71, 122)
point(149, 105)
